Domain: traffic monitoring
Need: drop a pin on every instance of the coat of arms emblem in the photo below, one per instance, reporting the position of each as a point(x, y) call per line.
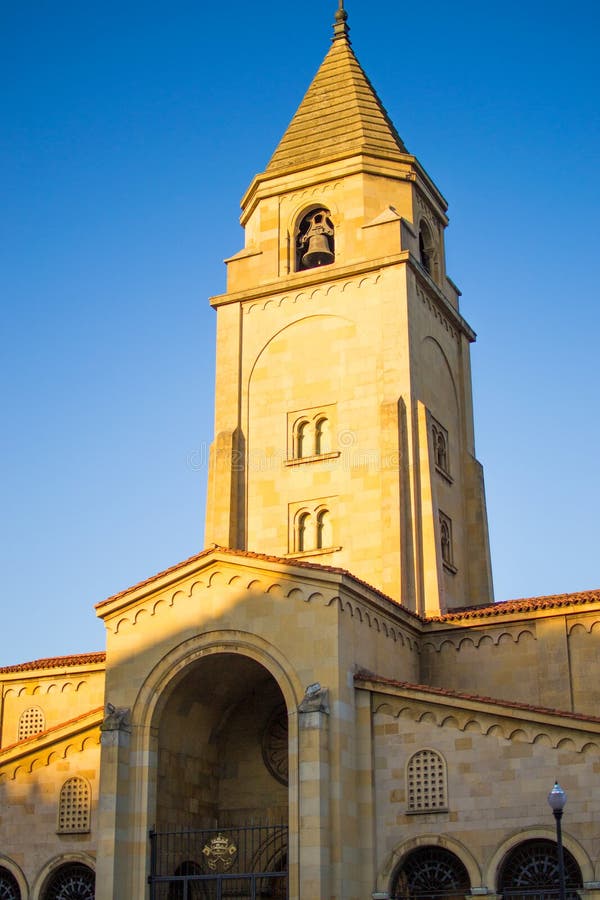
point(219, 853)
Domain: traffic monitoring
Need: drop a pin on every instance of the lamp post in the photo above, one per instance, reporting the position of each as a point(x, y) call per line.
point(557, 799)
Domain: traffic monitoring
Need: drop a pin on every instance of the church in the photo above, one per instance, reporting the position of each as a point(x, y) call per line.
point(325, 703)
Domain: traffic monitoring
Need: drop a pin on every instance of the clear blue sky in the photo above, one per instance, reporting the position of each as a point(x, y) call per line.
point(130, 132)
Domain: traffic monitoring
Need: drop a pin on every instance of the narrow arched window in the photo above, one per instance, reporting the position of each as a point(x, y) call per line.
point(440, 447)
point(322, 436)
point(426, 787)
point(323, 529)
point(74, 807)
point(301, 440)
point(302, 531)
point(315, 240)
point(427, 249)
point(446, 539)
point(31, 722)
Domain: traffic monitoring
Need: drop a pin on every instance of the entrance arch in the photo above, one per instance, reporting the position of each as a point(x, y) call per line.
point(222, 738)
point(221, 801)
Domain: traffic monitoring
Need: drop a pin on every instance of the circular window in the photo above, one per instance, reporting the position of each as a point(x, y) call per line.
point(275, 744)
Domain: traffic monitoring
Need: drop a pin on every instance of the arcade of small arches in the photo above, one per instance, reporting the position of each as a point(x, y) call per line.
point(72, 880)
point(529, 870)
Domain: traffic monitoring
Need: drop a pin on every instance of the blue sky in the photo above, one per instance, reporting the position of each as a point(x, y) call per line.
point(131, 131)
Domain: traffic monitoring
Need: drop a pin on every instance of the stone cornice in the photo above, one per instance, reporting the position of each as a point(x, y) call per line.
point(488, 715)
point(49, 743)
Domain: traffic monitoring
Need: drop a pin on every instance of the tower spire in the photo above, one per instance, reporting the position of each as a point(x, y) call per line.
point(341, 29)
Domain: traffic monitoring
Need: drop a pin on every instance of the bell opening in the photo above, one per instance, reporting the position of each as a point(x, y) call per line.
point(315, 241)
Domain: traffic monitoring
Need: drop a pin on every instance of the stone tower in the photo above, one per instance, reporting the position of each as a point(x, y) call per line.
point(344, 421)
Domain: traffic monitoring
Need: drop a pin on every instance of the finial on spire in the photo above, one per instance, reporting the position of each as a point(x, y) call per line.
point(340, 26)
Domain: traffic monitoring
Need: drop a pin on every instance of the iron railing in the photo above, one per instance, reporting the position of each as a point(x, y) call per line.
point(248, 862)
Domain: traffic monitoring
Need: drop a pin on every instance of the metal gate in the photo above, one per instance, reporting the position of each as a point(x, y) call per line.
point(243, 863)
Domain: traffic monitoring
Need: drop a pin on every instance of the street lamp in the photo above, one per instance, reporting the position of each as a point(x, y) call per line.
point(557, 799)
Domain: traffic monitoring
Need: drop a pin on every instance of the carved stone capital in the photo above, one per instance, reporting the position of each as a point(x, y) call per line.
point(116, 719)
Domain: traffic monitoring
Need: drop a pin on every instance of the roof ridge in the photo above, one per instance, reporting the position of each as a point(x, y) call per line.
point(52, 662)
point(365, 675)
point(47, 731)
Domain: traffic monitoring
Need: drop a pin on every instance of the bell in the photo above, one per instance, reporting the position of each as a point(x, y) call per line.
point(318, 253)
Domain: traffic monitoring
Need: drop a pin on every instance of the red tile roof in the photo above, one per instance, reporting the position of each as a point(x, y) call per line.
point(262, 557)
point(43, 734)
point(363, 675)
point(56, 662)
point(526, 604)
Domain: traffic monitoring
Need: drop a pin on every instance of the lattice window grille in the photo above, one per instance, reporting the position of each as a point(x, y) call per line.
point(74, 807)
point(72, 882)
point(31, 722)
point(426, 776)
point(9, 888)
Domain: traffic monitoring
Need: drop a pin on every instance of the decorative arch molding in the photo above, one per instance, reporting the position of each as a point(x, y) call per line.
point(7, 863)
point(38, 689)
point(299, 199)
point(279, 587)
point(495, 638)
point(493, 866)
point(401, 851)
point(42, 759)
point(585, 625)
point(433, 307)
point(488, 724)
point(48, 870)
point(317, 293)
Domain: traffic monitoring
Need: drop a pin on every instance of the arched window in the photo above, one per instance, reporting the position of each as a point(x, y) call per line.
point(427, 250)
point(430, 872)
point(323, 529)
point(73, 881)
point(426, 787)
point(31, 722)
point(322, 436)
point(301, 439)
point(302, 531)
point(315, 240)
point(74, 807)
point(9, 887)
point(530, 870)
point(446, 539)
point(440, 447)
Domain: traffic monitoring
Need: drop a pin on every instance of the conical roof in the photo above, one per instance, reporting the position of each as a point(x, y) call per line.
point(340, 115)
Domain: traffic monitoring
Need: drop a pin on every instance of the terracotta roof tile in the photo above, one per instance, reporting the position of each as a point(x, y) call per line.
point(43, 734)
point(56, 662)
point(526, 604)
point(364, 675)
point(261, 557)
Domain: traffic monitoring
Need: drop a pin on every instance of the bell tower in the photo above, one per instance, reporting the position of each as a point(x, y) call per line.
point(344, 421)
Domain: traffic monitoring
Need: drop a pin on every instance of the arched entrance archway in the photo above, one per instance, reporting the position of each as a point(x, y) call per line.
point(222, 772)
point(429, 873)
point(530, 871)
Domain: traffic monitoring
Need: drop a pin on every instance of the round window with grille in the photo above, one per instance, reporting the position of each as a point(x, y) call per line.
point(430, 872)
point(9, 889)
point(72, 882)
point(531, 870)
